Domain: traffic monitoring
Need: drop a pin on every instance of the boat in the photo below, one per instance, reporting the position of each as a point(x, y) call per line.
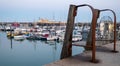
point(48, 37)
point(10, 34)
point(19, 37)
point(44, 32)
point(32, 36)
point(44, 37)
point(52, 38)
point(8, 28)
point(61, 36)
point(76, 38)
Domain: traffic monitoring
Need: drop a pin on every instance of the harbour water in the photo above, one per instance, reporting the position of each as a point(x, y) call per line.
point(30, 53)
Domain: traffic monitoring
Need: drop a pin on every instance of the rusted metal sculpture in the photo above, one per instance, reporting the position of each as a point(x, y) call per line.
point(114, 47)
point(67, 44)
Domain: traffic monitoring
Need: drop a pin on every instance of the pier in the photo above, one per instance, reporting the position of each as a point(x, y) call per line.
point(104, 56)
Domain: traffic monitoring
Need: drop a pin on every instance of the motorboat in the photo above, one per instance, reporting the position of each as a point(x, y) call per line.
point(19, 37)
point(76, 38)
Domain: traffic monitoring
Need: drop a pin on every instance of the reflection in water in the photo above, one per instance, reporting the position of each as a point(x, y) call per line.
point(54, 51)
point(53, 44)
point(54, 48)
point(11, 42)
point(34, 46)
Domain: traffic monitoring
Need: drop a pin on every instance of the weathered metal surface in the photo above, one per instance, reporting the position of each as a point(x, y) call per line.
point(91, 42)
point(95, 15)
point(94, 21)
point(67, 44)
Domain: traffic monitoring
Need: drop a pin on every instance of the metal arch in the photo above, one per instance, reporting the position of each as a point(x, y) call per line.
point(86, 5)
point(67, 47)
point(92, 9)
point(95, 15)
point(114, 47)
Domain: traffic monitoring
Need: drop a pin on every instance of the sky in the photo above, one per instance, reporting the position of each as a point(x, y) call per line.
point(33, 10)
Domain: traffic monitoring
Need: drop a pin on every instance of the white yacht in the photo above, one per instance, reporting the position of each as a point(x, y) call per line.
point(77, 38)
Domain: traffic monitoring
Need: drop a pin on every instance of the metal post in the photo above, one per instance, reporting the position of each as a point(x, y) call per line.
point(94, 19)
point(67, 44)
point(114, 50)
point(89, 39)
point(92, 34)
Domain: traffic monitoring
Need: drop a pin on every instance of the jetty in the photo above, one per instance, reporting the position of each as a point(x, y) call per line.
point(104, 57)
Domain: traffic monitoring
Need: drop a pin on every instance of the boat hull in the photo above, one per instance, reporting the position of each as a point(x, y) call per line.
point(19, 37)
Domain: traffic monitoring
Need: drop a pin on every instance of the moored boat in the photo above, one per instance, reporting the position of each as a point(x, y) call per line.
point(19, 37)
point(76, 38)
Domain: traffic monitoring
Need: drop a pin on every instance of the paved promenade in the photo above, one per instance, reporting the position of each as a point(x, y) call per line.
point(103, 54)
